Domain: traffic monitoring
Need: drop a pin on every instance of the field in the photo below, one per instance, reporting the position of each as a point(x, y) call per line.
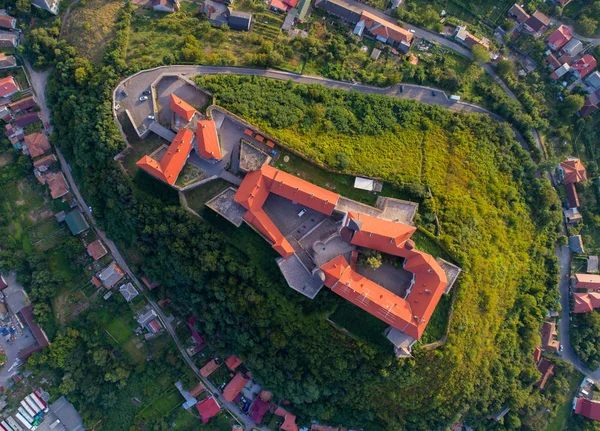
point(90, 27)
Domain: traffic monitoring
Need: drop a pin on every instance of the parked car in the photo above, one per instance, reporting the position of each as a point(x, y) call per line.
point(143, 98)
point(302, 212)
point(560, 349)
point(146, 92)
point(150, 117)
point(402, 88)
point(411, 30)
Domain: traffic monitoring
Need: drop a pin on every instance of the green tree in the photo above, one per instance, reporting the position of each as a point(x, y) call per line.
point(586, 25)
point(480, 54)
point(572, 104)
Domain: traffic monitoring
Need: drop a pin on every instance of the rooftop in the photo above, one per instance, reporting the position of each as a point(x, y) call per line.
point(574, 171)
point(111, 275)
point(76, 222)
point(96, 249)
point(208, 408)
point(233, 362)
point(57, 184)
point(128, 291)
point(234, 387)
point(208, 140)
point(181, 107)
point(37, 144)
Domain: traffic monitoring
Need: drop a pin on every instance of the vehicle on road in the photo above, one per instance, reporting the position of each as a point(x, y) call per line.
point(455, 98)
point(412, 31)
point(143, 98)
point(560, 349)
point(433, 93)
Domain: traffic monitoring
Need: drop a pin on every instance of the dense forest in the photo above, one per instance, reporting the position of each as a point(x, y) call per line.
point(496, 218)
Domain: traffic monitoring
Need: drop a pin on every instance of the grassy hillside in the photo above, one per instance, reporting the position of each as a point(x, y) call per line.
point(477, 177)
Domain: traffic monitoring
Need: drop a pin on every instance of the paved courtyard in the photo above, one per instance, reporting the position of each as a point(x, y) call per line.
point(396, 280)
point(284, 214)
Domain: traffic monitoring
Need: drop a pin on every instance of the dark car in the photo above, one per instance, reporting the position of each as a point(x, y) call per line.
point(402, 89)
point(146, 92)
point(433, 93)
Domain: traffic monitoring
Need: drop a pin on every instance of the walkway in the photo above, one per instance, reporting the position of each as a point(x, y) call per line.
point(162, 131)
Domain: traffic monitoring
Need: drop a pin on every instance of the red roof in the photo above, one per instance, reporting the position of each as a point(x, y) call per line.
point(37, 144)
point(537, 354)
point(289, 420)
point(559, 37)
point(588, 408)
point(96, 282)
point(587, 281)
point(586, 302)
point(584, 65)
point(547, 369)
point(279, 5)
point(181, 108)
point(96, 249)
point(572, 196)
point(378, 234)
point(173, 161)
point(207, 408)
point(385, 29)
point(258, 410)
point(234, 387)
point(8, 86)
point(233, 362)
point(255, 189)
point(209, 368)
point(7, 21)
point(208, 140)
point(574, 171)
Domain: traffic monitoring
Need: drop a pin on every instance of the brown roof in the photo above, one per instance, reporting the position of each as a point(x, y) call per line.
point(572, 196)
point(553, 61)
point(37, 144)
point(233, 362)
point(537, 354)
point(385, 29)
point(197, 390)
point(547, 369)
point(23, 104)
point(96, 282)
point(8, 86)
point(7, 60)
point(549, 337)
point(234, 387)
point(519, 13)
point(574, 171)
point(209, 368)
point(57, 184)
point(96, 249)
point(7, 21)
point(45, 161)
point(537, 21)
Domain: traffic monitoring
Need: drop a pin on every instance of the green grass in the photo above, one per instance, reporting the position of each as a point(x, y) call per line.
point(140, 147)
point(559, 422)
point(197, 197)
point(360, 324)
point(438, 324)
point(220, 376)
point(120, 328)
point(136, 354)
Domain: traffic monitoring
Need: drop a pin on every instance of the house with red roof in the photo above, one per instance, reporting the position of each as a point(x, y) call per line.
point(384, 31)
point(233, 362)
point(572, 172)
point(96, 249)
point(550, 337)
point(587, 281)
point(559, 37)
point(289, 420)
point(234, 387)
point(282, 5)
point(171, 164)
point(258, 409)
point(547, 369)
point(8, 86)
point(181, 108)
point(584, 66)
point(209, 368)
point(207, 408)
point(207, 140)
point(588, 408)
point(586, 302)
point(537, 354)
point(37, 144)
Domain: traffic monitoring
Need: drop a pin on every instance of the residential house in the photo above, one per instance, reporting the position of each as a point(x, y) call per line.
point(42, 164)
point(536, 24)
point(197, 390)
point(537, 355)
point(572, 216)
point(258, 409)
point(240, 21)
point(27, 119)
point(76, 222)
point(49, 5)
point(181, 108)
point(153, 327)
point(547, 369)
point(207, 408)
point(559, 37)
point(553, 62)
point(587, 281)
point(8, 22)
point(147, 316)
point(572, 196)
point(168, 6)
point(468, 39)
point(303, 10)
point(586, 302)
point(384, 31)
point(207, 141)
point(593, 81)
point(209, 368)
point(572, 172)
point(233, 362)
point(550, 337)
point(588, 408)
point(8, 39)
point(561, 71)
point(234, 387)
point(584, 66)
point(8, 86)
point(57, 184)
point(572, 48)
point(7, 61)
point(518, 13)
point(111, 275)
point(289, 420)
point(22, 104)
point(37, 144)
point(341, 9)
point(171, 164)
point(592, 264)
point(591, 104)
point(128, 291)
point(576, 244)
point(96, 249)
point(282, 6)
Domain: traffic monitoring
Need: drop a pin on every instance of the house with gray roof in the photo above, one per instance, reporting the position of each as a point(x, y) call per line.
point(67, 414)
point(572, 48)
point(593, 81)
point(128, 291)
point(592, 264)
point(111, 275)
point(576, 244)
point(240, 21)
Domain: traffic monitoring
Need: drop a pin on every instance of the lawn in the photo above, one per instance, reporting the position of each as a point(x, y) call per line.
point(220, 376)
point(90, 27)
point(197, 197)
point(136, 354)
point(160, 407)
point(559, 422)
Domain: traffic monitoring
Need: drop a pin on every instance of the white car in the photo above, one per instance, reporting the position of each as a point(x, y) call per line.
point(302, 212)
point(143, 98)
point(150, 117)
point(411, 30)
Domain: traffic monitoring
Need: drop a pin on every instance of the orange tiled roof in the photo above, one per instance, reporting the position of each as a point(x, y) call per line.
point(586, 302)
point(173, 161)
point(208, 140)
point(587, 281)
point(387, 30)
point(233, 362)
point(209, 368)
point(378, 234)
point(181, 107)
point(57, 184)
point(45, 161)
point(574, 171)
point(234, 387)
point(96, 249)
point(37, 144)
point(8, 86)
point(289, 420)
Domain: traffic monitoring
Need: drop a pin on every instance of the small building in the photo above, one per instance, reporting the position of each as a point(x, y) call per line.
point(8, 86)
point(234, 387)
point(154, 326)
point(233, 362)
point(587, 281)
point(367, 184)
point(25, 316)
point(8, 22)
point(559, 37)
point(547, 369)
point(37, 144)
point(375, 54)
point(57, 184)
point(209, 368)
point(49, 5)
point(258, 409)
point(147, 316)
point(584, 66)
point(111, 275)
point(7, 61)
point(96, 282)
point(576, 244)
point(168, 6)
point(96, 249)
point(518, 13)
point(536, 24)
point(572, 48)
point(128, 291)
point(240, 21)
point(592, 264)
point(591, 104)
point(469, 39)
point(588, 408)
point(553, 62)
point(593, 81)
point(208, 408)
point(572, 216)
point(303, 10)
point(22, 104)
point(289, 420)
point(537, 355)
point(561, 71)
point(550, 337)
point(8, 39)
point(207, 141)
point(27, 119)
point(76, 222)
